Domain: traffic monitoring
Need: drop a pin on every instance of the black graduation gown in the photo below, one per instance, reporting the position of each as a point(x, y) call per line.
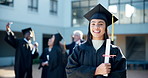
point(23, 56)
point(56, 64)
point(84, 60)
point(71, 46)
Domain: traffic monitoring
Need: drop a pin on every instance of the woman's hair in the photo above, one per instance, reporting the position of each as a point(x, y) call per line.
point(59, 46)
point(57, 40)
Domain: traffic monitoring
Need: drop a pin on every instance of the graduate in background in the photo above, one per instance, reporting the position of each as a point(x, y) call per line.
point(25, 52)
point(77, 40)
point(54, 58)
point(87, 60)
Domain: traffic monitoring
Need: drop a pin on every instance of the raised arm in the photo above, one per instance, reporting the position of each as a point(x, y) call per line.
point(10, 37)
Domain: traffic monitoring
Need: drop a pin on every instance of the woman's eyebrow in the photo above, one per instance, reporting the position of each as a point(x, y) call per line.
point(97, 21)
point(93, 21)
point(101, 22)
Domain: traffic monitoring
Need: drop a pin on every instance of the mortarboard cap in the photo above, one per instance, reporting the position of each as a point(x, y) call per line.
point(99, 12)
point(24, 31)
point(58, 36)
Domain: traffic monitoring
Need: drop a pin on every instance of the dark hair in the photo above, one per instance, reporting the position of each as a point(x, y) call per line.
point(57, 44)
point(56, 41)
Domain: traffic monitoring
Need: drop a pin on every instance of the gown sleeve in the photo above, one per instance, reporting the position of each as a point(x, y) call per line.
point(11, 39)
point(42, 58)
point(36, 54)
point(118, 65)
point(68, 46)
point(76, 70)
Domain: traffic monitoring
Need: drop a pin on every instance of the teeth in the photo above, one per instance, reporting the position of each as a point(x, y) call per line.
point(96, 31)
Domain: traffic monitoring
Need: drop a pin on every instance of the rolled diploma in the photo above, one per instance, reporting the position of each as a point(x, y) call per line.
point(33, 50)
point(47, 57)
point(107, 53)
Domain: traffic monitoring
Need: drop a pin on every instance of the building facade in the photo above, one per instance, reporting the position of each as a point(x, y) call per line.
point(47, 17)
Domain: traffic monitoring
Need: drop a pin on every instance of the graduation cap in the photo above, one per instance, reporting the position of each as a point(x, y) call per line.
point(61, 36)
point(99, 12)
point(58, 36)
point(26, 30)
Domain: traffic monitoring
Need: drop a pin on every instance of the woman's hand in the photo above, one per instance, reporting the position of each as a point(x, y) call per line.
point(45, 64)
point(7, 26)
point(103, 69)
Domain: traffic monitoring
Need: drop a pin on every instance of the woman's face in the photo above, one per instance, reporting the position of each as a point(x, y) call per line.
point(97, 29)
point(51, 41)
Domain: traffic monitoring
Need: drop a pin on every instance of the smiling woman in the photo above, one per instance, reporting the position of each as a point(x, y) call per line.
point(87, 60)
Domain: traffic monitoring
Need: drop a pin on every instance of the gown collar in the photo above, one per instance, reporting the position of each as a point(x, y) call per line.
point(97, 43)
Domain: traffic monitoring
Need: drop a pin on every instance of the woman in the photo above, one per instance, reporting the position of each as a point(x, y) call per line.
point(54, 59)
point(87, 60)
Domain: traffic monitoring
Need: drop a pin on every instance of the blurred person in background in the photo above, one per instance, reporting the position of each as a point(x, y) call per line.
point(77, 40)
point(54, 58)
point(25, 51)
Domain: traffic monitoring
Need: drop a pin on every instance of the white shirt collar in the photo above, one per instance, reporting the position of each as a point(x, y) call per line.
point(49, 49)
point(28, 41)
point(78, 42)
point(97, 43)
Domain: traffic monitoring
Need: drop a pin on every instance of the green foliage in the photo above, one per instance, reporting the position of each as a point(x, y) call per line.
point(36, 61)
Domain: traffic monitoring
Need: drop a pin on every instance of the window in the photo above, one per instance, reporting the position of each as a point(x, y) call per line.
point(114, 1)
point(146, 12)
point(53, 6)
point(114, 10)
point(135, 46)
point(33, 5)
point(130, 11)
point(137, 0)
point(124, 1)
point(125, 16)
point(79, 9)
point(138, 13)
point(7, 2)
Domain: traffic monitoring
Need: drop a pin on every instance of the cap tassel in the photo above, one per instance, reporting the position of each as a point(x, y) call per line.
point(33, 35)
point(112, 34)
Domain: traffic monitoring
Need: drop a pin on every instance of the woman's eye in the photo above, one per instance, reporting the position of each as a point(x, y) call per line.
point(92, 24)
point(100, 24)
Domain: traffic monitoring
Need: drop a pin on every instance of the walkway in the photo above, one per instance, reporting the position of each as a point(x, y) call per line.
point(7, 72)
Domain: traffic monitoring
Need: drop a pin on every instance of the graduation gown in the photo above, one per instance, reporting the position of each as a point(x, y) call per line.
point(56, 63)
point(23, 56)
point(85, 59)
point(71, 46)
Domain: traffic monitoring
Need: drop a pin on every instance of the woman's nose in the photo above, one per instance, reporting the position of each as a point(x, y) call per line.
point(97, 26)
